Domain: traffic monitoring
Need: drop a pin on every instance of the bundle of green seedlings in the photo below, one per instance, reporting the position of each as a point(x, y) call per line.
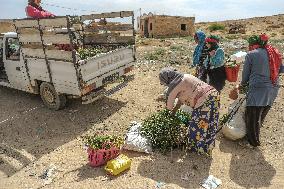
point(85, 53)
point(244, 89)
point(166, 131)
point(231, 63)
point(223, 119)
point(97, 142)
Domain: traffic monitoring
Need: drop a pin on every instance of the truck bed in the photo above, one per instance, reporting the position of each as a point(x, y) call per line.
point(97, 69)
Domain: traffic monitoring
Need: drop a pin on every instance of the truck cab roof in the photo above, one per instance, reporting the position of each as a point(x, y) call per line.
point(9, 34)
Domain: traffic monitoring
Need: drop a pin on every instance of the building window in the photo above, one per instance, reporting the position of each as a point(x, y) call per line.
point(151, 26)
point(183, 27)
point(142, 27)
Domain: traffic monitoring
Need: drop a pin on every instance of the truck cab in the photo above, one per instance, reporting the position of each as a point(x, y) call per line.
point(12, 71)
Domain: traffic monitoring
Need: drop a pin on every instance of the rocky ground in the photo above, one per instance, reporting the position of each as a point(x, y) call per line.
point(271, 25)
point(34, 139)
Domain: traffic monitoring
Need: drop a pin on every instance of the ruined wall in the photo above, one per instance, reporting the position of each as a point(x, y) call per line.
point(167, 26)
point(140, 27)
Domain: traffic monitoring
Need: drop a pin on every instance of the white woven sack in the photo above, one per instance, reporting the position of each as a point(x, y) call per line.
point(236, 128)
point(135, 141)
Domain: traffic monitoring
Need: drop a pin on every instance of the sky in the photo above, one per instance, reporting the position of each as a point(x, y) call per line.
point(203, 10)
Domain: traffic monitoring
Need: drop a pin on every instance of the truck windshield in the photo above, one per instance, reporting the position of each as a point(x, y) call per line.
point(13, 49)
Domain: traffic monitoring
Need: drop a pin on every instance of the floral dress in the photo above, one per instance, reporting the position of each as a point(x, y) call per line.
point(203, 126)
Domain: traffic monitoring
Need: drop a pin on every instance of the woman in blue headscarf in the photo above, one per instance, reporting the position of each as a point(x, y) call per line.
point(199, 55)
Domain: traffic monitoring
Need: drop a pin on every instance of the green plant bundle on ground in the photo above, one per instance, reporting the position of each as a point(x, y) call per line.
point(166, 131)
point(103, 141)
point(215, 27)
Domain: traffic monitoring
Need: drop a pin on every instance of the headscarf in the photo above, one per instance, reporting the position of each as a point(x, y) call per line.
point(275, 59)
point(200, 35)
point(256, 41)
point(170, 77)
point(213, 40)
point(33, 4)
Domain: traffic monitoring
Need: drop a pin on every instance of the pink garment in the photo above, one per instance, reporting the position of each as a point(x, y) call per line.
point(191, 91)
point(35, 13)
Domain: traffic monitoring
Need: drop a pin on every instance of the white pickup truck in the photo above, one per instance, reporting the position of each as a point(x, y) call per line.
point(32, 58)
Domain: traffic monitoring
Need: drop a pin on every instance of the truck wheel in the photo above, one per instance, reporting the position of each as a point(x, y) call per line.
point(51, 98)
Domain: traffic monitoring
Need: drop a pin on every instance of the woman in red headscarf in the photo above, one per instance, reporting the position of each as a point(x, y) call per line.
point(260, 73)
point(34, 10)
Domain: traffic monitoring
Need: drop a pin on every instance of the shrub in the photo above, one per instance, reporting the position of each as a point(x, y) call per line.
point(160, 51)
point(151, 56)
point(232, 36)
point(189, 38)
point(155, 55)
point(273, 34)
point(176, 48)
point(215, 27)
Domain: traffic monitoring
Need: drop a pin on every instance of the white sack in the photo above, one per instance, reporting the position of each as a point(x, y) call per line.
point(135, 141)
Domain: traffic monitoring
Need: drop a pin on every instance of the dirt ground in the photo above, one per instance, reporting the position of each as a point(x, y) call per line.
point(33, 138)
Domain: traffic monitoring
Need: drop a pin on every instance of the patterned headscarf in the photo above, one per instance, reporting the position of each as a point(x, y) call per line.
point(275, 59)
point(213, 40)
point(171, 78)
point(200, 35)
point(257, 41)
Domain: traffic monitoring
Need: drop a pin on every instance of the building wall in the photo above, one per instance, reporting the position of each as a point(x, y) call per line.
point(167, 26)
point(140, 27)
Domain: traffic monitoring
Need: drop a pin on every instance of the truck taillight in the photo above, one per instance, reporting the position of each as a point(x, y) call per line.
point(129, 69)
point(88, 89)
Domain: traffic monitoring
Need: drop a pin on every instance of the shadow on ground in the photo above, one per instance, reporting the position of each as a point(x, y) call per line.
point(248, 167)
point(29, 130)
point(187, 171)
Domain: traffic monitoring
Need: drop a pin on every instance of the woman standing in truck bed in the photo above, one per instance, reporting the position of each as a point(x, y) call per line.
point(34, 10)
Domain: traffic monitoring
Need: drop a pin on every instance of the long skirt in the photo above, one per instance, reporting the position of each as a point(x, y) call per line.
point(254, 117)
point(203, 126)
point(217, 78)
point(201, 73)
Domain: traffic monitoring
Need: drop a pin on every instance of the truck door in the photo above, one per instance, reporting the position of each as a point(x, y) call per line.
point(14, 65)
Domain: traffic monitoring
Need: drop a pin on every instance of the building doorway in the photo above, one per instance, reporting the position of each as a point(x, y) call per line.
point(146, 29)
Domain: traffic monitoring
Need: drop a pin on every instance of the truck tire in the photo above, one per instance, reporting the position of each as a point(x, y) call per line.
point(51, 98)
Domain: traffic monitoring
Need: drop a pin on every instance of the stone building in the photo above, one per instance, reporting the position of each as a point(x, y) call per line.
point(156, 26)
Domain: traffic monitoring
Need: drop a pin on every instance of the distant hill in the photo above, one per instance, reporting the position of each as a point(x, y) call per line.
point(271, 25)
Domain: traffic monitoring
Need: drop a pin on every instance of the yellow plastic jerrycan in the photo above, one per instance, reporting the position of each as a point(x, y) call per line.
point(118, 165)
